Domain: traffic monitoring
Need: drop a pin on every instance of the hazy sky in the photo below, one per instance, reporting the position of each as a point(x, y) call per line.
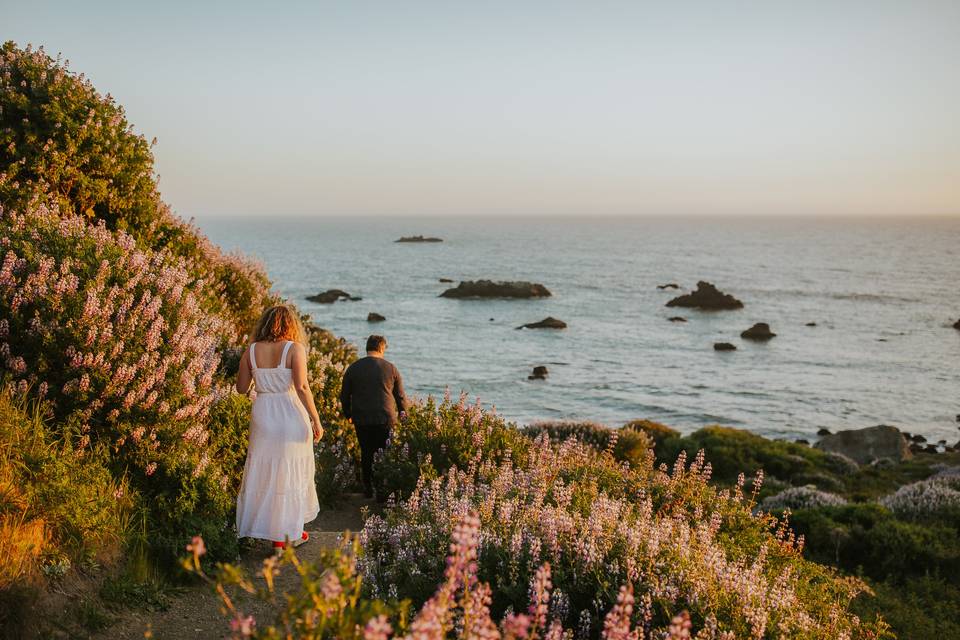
point(450, 107)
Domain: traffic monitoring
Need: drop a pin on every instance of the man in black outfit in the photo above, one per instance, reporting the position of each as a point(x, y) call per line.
point(372, 398)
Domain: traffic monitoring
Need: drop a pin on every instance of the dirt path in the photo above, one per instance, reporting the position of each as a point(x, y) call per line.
point(196, 613)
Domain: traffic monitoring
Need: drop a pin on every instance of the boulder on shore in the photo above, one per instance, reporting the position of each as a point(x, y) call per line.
point(669, 285)
point(490, 289)
point(332, 295)
point(539, 373)
point(867, 445)
point(546, 323)
point(706, 297)
point(418, 239)
point(723, 346)
point(375, 317)
point(759, 331)
point(678, 319)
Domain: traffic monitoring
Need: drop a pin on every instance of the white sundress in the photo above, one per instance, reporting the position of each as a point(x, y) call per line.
point(278, 493)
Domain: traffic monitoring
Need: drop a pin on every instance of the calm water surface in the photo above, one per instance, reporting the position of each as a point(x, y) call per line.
point(883, 295)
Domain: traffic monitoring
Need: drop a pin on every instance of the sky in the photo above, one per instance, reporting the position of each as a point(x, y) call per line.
point(825, 108)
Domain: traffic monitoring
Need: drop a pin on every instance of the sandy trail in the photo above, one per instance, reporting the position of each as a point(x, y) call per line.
point(196, 614)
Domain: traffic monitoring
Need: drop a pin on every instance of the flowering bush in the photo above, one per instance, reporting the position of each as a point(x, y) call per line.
point(673, 539)
point(330, 603)
point(338, 452)
point(65, 144)
point(436, 437)
point(627, 443)
point(926, 497)
point(801, 498)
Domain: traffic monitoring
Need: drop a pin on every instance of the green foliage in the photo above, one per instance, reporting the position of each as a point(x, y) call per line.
point(657, 432)
point(58, 504)
point(916, 608)
point(869, 539)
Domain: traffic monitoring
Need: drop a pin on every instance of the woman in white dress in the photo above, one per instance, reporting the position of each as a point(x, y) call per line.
point(278, 493)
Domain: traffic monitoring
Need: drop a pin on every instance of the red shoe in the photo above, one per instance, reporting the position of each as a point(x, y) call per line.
point(304, 538)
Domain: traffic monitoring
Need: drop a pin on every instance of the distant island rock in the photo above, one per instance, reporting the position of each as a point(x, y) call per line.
point(375, 317)
point(868, 445)
point(669, 285)
point(418, 239)
point(678, 319)
point(706, 297)
point(489, 289)
point(539, 373)
point(446, 280)
point(811, 324)
point(723, 346)
point(331, 296)
point(956, 325)
point(759, 331)
point(546, 323)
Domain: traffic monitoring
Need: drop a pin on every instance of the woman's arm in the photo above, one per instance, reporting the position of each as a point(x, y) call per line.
point(302, 385)
point(244, 374)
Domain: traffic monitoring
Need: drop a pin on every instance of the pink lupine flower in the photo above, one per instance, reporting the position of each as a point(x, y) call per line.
point(243, 626)
point(377, 628)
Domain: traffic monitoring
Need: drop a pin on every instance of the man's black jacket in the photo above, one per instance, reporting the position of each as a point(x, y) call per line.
point(372, 392)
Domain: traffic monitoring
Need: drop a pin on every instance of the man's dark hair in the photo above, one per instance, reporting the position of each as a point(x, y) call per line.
point(376, 343)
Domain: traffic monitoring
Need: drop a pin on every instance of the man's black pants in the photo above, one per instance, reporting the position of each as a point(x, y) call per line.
point(372, 438)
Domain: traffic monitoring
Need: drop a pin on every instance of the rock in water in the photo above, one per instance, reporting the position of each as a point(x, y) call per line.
point(811, 324)
point(446, 280)
point(759, 331)
point(419, 239)
point(723, 346)
point(678, 319)
point(546, 323)
point(956, 325)
point(539, 373)
point(375, 317)
point(706, 297)
point(669, 285)
point(823, 431)
point(331, 296)
point(489, 289)
point(867, 445)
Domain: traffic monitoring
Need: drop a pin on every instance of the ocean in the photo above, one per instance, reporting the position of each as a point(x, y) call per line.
point(883, 294)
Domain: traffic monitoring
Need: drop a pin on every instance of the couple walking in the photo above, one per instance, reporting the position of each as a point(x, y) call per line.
point(278, 494)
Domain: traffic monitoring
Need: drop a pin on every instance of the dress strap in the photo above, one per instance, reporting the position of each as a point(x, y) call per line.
point(283, 356)
point(253, 359)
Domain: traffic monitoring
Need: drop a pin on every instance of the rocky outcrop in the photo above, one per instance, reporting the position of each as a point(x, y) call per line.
point(706, 297)
point(539, 373)
point(546, 323)
point(868, 445)
point(723, 346)
point(419, 239)
point(490, 289)
point(375, 317)
point(669, 285)
point(331, 296)
point(759, 331)
point(678, 319)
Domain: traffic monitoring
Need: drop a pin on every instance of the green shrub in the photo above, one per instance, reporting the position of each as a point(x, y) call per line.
point(868, 538)
point(626, 444)
point(657, 432)
point(437, 437)
point(60, 508)
point(916, 608)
